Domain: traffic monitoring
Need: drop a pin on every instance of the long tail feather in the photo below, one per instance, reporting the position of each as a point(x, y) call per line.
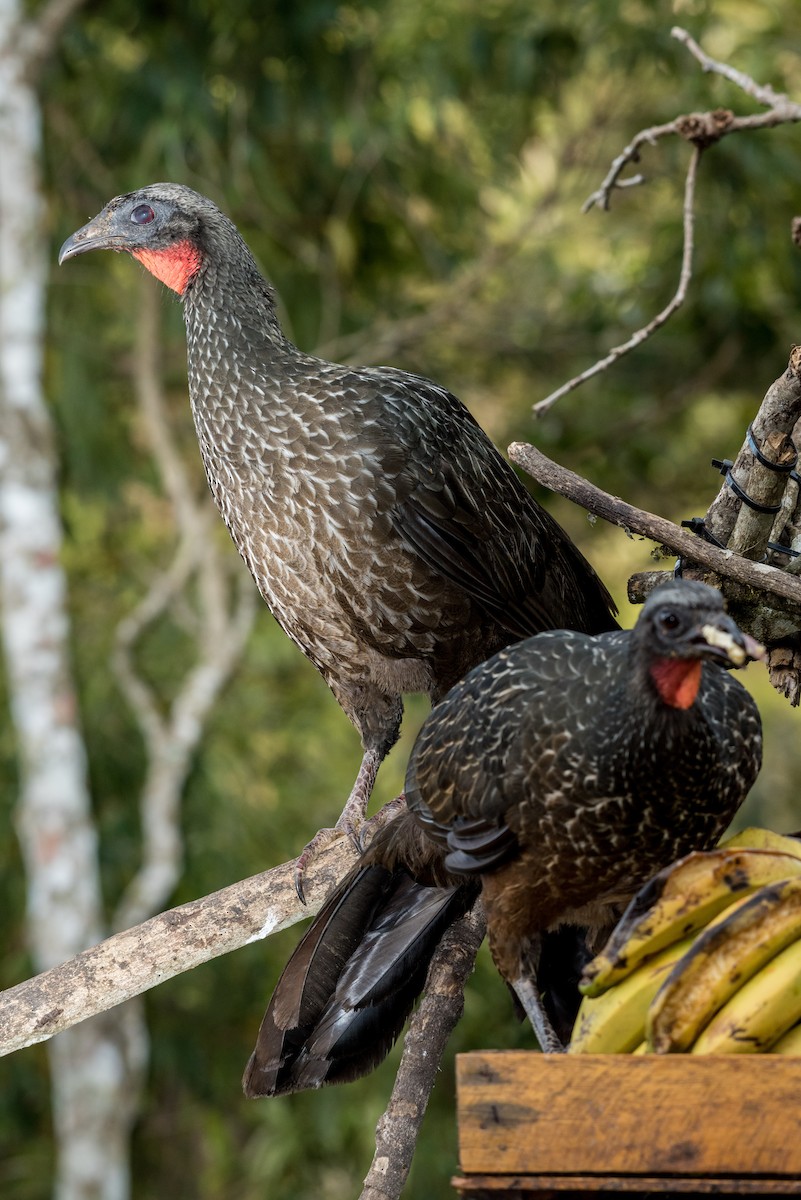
point(347, 990)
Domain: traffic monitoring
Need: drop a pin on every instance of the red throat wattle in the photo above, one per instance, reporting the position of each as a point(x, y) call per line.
point(175, 265)
point(677, 680)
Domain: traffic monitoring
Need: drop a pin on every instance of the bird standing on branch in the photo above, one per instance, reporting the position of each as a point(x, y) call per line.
point(388, 536)
point(555, 779)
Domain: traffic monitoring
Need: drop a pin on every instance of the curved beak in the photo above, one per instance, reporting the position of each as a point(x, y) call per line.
point(95, 235)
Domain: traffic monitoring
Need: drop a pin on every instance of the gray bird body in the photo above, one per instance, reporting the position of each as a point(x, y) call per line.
point(386, 533)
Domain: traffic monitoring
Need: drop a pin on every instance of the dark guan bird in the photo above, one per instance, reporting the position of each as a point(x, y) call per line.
point(388, 536)
point(554, 779)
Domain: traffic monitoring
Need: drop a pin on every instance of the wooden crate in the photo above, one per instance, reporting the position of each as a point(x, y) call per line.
point(560, 1126)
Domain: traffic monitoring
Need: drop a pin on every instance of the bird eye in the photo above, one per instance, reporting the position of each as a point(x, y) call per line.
point(142, 214)
point(668, 620)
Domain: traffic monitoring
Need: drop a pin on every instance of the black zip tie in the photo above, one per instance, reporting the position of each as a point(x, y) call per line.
point(781, 468)
point(795, 477)
point(724, 465)
point(778, 549)
point(699, 527)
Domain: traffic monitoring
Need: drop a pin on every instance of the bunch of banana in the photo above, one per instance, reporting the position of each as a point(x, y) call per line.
point(706, 958)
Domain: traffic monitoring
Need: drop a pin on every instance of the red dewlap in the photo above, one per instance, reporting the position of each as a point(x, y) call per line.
point(174, 265)
point(677, 680)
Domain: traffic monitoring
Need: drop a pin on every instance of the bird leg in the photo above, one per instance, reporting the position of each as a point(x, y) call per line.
point(529, 996)
point(350, 822)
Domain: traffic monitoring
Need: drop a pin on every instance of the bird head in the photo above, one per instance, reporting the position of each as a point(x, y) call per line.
point(165, 226)
point(684, 623)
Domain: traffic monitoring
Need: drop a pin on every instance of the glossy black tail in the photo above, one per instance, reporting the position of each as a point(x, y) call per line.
point(347, 990)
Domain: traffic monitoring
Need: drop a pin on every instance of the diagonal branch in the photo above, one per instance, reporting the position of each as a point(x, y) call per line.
point(784, 589)
point(762, 93)
point(135, 960)
point(427, 1036)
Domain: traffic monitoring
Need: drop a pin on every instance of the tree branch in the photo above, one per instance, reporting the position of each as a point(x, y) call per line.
point(701, 130)
point(762, 93)
point(783, 588)
point(138, 959)
point(426, 1038)
point(641, 335)
point(779, 412)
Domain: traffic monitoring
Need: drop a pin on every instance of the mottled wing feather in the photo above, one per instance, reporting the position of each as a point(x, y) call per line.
point(469, 782)
point(463, 510)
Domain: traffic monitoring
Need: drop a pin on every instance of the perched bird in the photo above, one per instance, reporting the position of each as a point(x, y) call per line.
point(554, 779)
point(388, 536)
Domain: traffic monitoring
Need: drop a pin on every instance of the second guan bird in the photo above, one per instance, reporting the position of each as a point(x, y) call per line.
point(388, 536)
point(554, 780)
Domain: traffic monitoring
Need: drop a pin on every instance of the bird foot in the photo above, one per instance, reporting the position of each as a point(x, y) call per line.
point(351, 821)
point(321, 839)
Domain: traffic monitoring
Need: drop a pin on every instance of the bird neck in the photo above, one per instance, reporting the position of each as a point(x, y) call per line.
point(229, 302)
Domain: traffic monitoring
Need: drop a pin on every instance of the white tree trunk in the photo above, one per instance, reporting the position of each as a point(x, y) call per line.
point(93, 1090)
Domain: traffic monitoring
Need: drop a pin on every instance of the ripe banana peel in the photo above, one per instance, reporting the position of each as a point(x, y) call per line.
point(721, 960)
point(735, 987)
point(757, 838)
point(680, 900)
point(788, 1043)
point(614, 1023)
point(760, 1012)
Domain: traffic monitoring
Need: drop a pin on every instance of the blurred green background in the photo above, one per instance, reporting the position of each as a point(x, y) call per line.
point(410, 175)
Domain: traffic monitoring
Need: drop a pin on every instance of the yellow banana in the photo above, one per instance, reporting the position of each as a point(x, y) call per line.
point(615, 1022)
point(756, 838)
point(788, 1043)
point(760, 1012)
point(723, 957)
point(678, 901)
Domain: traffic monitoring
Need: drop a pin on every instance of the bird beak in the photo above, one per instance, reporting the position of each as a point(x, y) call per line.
point(95, 235)
point(736, 646)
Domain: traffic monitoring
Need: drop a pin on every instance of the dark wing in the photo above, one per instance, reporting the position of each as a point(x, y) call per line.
point(463, 510)
point(498, 744)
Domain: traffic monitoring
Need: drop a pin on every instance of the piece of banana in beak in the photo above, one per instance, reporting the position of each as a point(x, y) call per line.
point(736, 652)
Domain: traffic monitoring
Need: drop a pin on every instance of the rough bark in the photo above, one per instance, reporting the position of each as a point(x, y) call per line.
point(778, 413)
point(135, 960)
point(430, 1028)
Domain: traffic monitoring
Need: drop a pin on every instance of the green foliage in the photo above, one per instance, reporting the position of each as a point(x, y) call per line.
point(411, 177)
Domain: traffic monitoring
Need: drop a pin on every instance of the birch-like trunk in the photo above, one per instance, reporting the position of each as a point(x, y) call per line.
point(93, 1088)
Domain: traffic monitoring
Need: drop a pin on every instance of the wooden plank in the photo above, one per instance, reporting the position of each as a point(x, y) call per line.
point(532, 1114)
point(566, 1187)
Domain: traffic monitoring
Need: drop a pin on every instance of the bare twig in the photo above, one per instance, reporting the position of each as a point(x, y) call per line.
point(784, 589)
point(762, 93)
point(701, 130)
point(138, 959)
point(430, 1028)
point(641, 335)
